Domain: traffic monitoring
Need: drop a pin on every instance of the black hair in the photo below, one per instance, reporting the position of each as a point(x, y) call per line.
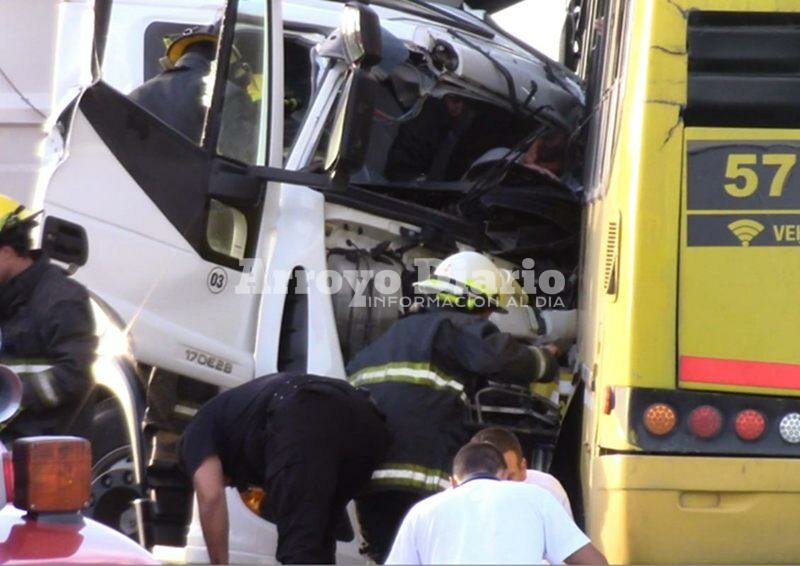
point(18, 237)
point(478, 458)
point(501, 438)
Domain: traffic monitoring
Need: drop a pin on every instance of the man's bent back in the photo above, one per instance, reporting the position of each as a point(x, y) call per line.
point(486, 521)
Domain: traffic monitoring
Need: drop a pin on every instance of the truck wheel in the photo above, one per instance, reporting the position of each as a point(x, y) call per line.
point(113, 486)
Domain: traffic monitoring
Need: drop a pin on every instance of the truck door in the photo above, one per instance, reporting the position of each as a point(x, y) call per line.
point(169, 243)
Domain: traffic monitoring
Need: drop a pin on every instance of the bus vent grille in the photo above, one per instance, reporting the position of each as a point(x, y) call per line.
point(744, 69)
point(611, 257)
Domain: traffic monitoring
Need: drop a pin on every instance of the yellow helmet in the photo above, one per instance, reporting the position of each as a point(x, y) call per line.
point(176, 44)
point(12, 213)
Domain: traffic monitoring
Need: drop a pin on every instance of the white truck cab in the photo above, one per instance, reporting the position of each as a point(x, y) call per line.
point(289, 240)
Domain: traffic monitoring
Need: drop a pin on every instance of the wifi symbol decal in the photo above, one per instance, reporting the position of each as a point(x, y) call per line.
point(746, 229)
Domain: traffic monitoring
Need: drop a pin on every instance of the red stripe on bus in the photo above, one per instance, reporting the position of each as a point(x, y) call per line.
point(739, 372)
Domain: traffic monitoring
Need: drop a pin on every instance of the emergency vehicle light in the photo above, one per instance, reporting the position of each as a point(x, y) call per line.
point(749, 424)
point(51, 473)
point(705, 421)
point(608, 400)
point(8, 476)
point(252, 498)
point(659, 419)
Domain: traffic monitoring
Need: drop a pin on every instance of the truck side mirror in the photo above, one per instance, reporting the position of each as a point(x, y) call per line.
point(361, 35)
point(65, 241)
point(361, 32)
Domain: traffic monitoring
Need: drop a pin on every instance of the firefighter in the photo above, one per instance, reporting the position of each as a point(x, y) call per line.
point(178, 96)
point(421, 373)
point(175, 96)
point(310, 442)
point(47, 333)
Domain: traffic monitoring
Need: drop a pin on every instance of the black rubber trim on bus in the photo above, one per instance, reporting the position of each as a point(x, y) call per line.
point(682, 441)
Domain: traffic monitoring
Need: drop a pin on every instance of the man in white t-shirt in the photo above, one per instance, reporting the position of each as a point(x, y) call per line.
point(488, 521)
point(508, 445)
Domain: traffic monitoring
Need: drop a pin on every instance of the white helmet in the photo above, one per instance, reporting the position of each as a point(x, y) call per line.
point(471, 280)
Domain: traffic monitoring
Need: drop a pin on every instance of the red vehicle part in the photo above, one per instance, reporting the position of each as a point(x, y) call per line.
point(52, 480)
point(71, 540)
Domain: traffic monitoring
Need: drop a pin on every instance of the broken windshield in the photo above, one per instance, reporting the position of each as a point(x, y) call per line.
point(456, 147)
point(432, 129)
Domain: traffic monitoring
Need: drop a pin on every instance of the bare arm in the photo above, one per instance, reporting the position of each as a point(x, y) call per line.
point(586, 554)
point(209, 485)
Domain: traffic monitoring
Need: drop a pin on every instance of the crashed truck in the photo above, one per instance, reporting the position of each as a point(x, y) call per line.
point(291, 245)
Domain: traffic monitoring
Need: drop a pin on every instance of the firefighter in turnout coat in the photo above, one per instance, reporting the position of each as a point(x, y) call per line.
point(421, 373)
point(48, 334)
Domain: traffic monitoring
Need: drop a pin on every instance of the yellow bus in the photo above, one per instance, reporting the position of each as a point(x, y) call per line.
point(690, 313)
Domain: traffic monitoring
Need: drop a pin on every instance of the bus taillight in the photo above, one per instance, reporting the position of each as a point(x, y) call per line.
point(681, 421)
point(660, 419)
point(705, 421)
point(749, 424)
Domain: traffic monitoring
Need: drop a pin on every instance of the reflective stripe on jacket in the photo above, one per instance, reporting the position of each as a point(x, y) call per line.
point(420, 374)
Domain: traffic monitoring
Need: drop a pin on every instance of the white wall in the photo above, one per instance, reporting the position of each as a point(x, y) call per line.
point(26, 59)
point(46, 54)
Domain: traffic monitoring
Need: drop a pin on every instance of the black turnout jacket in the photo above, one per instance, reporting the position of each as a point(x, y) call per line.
point(48, 338)
point(421, 374)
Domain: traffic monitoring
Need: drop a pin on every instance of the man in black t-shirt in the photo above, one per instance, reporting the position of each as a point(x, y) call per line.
point(311, 442)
